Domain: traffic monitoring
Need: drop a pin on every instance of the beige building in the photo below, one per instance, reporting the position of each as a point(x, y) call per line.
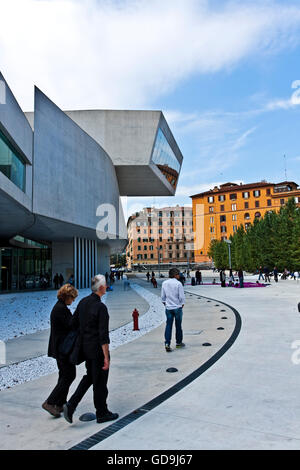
point(160, 237)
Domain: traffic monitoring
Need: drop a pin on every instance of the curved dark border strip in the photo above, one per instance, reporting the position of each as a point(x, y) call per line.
point(121, 423)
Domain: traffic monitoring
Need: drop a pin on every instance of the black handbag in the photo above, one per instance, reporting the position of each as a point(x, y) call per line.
point(68, 343)
point(76, 356)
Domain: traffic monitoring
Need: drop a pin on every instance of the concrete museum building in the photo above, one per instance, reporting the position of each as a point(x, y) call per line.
point(61, 177)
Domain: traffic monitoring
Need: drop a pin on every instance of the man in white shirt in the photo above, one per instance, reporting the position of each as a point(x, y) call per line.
point(172, 296)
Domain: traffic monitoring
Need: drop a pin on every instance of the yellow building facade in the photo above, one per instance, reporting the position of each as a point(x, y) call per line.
point(218, 213)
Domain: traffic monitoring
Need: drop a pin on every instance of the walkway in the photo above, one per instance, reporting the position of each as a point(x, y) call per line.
point(138, 374)
point(248, 399)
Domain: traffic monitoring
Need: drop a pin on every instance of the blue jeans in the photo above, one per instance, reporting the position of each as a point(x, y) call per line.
point(171, 314)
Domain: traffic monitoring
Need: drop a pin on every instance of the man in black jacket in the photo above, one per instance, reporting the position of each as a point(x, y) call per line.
point(92, 318)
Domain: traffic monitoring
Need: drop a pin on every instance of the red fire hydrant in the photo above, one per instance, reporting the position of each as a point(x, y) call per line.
point(135, 315)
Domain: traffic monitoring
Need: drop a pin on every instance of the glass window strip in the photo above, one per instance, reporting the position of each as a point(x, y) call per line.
point(12, 165)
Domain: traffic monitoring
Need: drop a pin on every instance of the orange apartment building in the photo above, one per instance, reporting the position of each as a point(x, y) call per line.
point(160, 237)
point(218, 213)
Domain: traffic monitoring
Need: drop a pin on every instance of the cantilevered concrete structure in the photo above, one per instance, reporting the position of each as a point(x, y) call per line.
point(61, 177)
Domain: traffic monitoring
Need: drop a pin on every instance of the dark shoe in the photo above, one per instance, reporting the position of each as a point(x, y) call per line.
point(168, 349)
point(60, 409)
point(109, 416)
point(51, 409)
point(181, 345)
point(68, 413)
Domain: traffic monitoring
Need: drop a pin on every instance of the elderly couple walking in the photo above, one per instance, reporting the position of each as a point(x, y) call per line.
point(89, 327)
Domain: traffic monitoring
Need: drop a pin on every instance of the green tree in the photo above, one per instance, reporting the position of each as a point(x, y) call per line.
point(271, 241)
point(218, 251)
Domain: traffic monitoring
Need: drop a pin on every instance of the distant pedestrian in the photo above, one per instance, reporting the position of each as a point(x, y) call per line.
point(198, 277)
point(112, 277)
point(241, 277)
point(182, 278)
point(285, 274)
point(261, 273)
point(126, 283)
point(61, 280)
point(172, 295)
point(267, 274)
point(154, 282)
point(61, 324)
point(275, 272)
point(223, 278)
point(56, 281)
point(71, 280)
point(148, 276)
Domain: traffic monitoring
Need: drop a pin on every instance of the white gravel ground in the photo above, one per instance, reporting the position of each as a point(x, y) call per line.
point(25, 313)
point(34, 368)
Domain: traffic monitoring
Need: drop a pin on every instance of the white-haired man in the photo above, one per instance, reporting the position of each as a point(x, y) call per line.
point(91, 317)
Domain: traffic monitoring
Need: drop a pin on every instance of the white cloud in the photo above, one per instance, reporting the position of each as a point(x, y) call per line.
point(90, 53)
point(198, 188)
point(289, 103)
point(241, 141)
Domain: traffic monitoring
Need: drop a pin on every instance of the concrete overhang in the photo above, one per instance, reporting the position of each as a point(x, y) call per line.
point(45, 228)
point(14, 217)
point(129, 138)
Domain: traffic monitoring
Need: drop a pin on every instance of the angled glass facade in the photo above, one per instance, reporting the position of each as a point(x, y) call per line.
point(165, 159)
point(25, 268)
point(11, 164)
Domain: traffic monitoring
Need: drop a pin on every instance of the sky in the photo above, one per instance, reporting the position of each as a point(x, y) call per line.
point(226, 75)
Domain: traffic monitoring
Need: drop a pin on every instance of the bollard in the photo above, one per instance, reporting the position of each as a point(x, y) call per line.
point(135, 315)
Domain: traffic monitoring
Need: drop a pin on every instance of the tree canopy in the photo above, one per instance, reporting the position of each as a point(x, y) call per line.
point(271, 241)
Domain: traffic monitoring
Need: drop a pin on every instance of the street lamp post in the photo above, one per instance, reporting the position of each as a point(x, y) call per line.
point(229, 249)
point(158, 255)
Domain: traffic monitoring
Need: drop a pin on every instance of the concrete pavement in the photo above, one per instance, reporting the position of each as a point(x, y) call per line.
point(137, 375)
point(248, 399)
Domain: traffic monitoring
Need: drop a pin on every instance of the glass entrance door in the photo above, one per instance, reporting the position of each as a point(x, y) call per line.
point(6, 269)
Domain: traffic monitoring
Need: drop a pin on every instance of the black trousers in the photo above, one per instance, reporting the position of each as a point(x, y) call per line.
point(97, 377)
point(66, 375)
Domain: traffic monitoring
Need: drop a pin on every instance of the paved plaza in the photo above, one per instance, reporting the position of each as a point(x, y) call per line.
point(240, 392)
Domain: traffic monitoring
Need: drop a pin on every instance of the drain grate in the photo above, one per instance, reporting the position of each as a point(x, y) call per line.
point(220, 328)
point(206, 344)
point(172, 369)
point(136, 414)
